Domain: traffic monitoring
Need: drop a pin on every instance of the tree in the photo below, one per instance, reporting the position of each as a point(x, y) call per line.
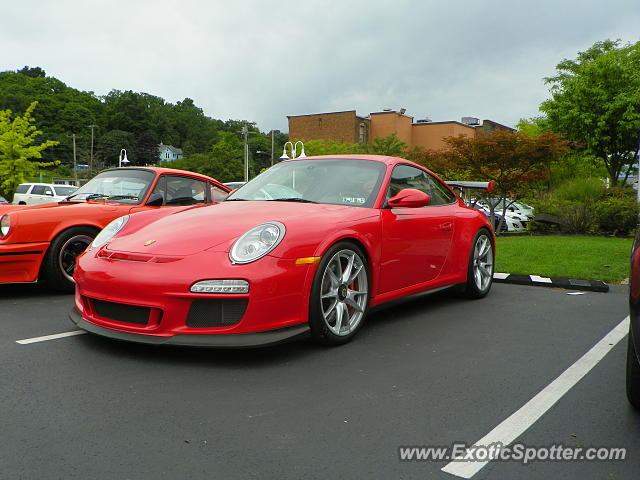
point(513, 160)
point(390, 145)
point(147, 148)
point(331, 147)
point(34, 72)
point(596, 101)
point(111, 143)
point(17, 137)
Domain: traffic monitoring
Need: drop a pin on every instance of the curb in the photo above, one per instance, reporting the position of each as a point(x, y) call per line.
point(554, 282)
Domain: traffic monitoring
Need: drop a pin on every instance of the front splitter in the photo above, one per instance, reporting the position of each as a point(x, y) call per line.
point(233, 340)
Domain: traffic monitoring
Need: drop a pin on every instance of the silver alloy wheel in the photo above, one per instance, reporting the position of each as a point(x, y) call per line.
point(70, 251)
point(344, 292)
point(483, 262)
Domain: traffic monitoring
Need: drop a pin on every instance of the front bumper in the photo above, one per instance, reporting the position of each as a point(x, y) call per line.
point(238, 340)
point(150, 301)
point(20, 262)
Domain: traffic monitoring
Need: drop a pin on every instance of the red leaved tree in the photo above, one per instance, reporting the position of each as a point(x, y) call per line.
point(513, 160)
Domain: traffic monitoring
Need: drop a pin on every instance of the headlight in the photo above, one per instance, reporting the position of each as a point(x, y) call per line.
point(109, 232)
point(257, 242)
point(5, 225)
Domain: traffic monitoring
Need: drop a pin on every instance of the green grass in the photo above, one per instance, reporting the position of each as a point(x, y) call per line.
point(588, 258)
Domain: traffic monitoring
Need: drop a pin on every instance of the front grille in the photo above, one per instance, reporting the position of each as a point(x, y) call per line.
point(121, 312)
point(220, 312)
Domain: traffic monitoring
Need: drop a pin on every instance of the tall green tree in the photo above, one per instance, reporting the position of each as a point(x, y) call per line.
point(390, 145)
point(596, 101)
point(18, 147)
point(147, 148)
point(111, 143)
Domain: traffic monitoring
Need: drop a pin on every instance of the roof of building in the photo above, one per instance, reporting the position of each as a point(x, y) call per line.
point(323, 113)
point(173, 149)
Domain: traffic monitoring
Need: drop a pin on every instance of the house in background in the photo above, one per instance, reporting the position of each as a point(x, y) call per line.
point(348, 127)
point(168, 153)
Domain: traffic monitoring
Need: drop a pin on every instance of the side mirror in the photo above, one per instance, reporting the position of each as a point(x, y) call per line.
point(155, 200)
point(409, 198)
point(49, 193)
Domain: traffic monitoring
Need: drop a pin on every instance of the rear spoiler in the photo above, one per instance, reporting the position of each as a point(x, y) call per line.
point(488, 186)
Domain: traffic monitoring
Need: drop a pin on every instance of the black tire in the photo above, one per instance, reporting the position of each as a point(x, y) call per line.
point(471, 289)
point(22, 203)
point(59, 262)
point(321, 329)
point(633, 374)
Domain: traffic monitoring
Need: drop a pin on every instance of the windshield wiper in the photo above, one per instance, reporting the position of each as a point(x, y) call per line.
point(80, 193)
point(122, 197)
point(93, 196)
point(292, 199)
point(235, 200)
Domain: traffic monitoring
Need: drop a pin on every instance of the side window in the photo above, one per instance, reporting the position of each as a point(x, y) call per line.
point(439, 193)
point(161, 188)
point(217, 194)
point(24, 188)
point(406, 176)
point(184, 191)
point(38, 190)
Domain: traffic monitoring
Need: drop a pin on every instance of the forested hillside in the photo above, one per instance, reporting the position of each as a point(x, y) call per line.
point(132, 120)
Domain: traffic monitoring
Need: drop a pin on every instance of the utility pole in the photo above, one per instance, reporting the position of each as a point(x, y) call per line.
point(638, 157)
point(75, 170)
point(245, 135)
point(272, 146)
point(91, 157)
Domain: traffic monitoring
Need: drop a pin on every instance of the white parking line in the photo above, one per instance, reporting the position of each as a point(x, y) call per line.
point(529, 413)
point(27, 341)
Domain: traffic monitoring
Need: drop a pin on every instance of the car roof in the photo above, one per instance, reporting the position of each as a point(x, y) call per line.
point(387, 160)
point(164, 170)
point(161, 170)
point(48, 184)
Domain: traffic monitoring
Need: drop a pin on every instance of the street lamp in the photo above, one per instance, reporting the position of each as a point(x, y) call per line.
point(294, 150)
point(123, 158)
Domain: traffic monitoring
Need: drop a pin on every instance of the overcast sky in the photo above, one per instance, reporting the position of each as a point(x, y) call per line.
point(264, 60)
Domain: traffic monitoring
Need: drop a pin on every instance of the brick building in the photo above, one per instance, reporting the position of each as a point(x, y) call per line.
point(348, 127)
point(345, 127)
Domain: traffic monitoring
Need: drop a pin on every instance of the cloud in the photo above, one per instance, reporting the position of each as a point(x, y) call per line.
point(262, 61)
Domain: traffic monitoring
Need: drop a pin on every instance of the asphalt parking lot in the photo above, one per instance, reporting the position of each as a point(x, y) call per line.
point(430, 371)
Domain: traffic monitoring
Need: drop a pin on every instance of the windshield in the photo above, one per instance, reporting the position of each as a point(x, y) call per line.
point(335, 181)
point(65, 190)
point(122, 186)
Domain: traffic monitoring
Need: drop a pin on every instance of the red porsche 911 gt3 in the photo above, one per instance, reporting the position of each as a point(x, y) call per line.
point(307, 247)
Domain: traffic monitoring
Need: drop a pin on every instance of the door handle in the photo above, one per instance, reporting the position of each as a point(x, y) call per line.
point(446, 227)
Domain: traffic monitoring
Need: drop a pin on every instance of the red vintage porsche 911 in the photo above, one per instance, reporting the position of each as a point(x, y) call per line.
point(307, 247)
point(42, 242)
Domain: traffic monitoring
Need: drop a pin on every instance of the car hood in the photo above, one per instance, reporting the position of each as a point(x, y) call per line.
point(67, 205)
point(218, 226)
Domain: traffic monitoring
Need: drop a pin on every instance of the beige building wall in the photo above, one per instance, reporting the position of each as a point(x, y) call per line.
point(345, 127)
point(384, 124)
point(431, 135)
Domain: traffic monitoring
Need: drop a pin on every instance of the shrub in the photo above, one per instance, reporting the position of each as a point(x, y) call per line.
point(583, 205)
point(583, 190)
point(617, 215)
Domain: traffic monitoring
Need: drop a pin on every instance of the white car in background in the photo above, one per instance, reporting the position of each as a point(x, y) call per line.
point(516, 209)
point(39, 193)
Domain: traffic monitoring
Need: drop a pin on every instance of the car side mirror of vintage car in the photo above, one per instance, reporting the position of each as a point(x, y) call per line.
point(155, 200)
point(409, 198)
